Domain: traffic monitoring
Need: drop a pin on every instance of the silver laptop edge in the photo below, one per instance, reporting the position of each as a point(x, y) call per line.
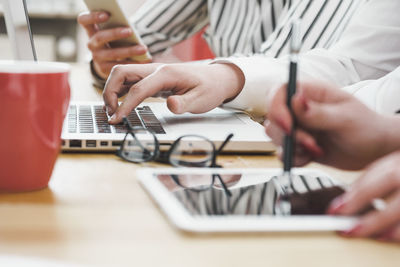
point(249, 136)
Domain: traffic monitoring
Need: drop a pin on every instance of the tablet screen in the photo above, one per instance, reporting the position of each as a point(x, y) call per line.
point(250, 194)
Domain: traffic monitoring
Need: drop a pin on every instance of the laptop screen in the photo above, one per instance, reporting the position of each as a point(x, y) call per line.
point(19, 30)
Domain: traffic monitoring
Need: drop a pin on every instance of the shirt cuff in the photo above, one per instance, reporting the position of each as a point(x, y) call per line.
point(380, 95)
point(263, 76)
point(98, 82)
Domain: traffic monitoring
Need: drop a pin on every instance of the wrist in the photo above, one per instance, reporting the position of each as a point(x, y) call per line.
point(98, 81)
point(233, 79)
point(97, 72)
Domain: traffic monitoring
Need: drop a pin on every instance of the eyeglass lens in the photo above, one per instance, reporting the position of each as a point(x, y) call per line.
point(192, 151)
point(139, 147)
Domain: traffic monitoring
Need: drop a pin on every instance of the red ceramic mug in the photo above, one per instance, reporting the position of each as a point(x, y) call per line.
point(34, 100)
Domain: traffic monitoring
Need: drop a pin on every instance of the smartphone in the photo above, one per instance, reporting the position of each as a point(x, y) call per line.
point(117, 19)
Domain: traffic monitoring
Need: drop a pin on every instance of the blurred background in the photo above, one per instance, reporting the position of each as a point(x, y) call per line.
point(58, 37)
point(56, 32)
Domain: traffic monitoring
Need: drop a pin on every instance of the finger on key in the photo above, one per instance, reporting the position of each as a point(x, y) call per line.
point(147, 87)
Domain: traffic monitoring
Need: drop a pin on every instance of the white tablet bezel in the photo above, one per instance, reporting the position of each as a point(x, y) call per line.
point(179, 217)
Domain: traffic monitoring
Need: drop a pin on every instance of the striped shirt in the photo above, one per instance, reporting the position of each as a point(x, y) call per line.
point(243, 27)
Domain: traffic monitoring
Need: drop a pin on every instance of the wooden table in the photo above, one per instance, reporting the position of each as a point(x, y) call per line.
point(94, 212)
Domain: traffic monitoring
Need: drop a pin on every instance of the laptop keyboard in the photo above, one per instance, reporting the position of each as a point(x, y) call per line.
point(86, 120)
point(101, 120)
point(93, 119)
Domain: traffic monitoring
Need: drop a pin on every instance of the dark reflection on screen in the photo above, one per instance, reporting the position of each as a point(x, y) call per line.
point(251, 195)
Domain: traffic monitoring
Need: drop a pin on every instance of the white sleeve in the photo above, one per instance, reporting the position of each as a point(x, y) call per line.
point(368, 49)
point(382, 95)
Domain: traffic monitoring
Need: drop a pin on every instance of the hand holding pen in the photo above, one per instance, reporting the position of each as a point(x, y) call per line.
point(331, 98)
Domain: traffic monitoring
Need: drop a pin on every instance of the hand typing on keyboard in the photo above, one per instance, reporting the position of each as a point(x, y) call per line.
point(196, 88)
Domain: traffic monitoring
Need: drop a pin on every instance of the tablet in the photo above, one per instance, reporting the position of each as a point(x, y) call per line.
point(194, 199)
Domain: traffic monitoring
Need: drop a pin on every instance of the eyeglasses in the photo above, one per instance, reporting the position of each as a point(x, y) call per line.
point(141, 145)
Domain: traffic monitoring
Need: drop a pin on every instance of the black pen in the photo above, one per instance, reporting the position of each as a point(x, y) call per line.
point(289, 139)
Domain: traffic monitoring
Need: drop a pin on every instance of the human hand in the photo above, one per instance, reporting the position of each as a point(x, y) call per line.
point(195, 88)
point(105, 57)
point(334, 127)
point(381, 180)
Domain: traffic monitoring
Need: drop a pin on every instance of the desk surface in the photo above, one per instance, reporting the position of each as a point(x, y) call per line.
point(94, 212)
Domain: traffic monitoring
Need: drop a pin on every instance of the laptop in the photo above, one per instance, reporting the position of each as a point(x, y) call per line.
point(86, 128)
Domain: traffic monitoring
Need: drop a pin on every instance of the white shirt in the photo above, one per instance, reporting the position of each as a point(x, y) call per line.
point(368, 50)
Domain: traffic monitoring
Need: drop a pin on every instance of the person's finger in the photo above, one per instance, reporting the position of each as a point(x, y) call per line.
point(89, 19)
point(360, 196)
point(119, 54)
point(302, 138)
point(391, 235)
point(160, 79)
point(274, 132)
point(306, 148)
point(120, 77)
point(308, 143)
point(278, 111)
point(377, 222)
point(106, 67)
point(101, 38)
point(300, 158)
point(315, 116)
point(191, 101)
point(307, 92)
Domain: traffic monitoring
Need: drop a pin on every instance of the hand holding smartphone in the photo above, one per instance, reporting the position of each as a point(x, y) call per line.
point(117, 19)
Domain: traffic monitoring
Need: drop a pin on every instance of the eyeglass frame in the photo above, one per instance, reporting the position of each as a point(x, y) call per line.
point(157, 152)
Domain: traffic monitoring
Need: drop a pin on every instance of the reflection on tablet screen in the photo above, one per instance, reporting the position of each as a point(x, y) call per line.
point(202, 194)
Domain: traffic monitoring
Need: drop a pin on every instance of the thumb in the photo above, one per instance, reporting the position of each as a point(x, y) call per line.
point(176, 104)
point(193, 101)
